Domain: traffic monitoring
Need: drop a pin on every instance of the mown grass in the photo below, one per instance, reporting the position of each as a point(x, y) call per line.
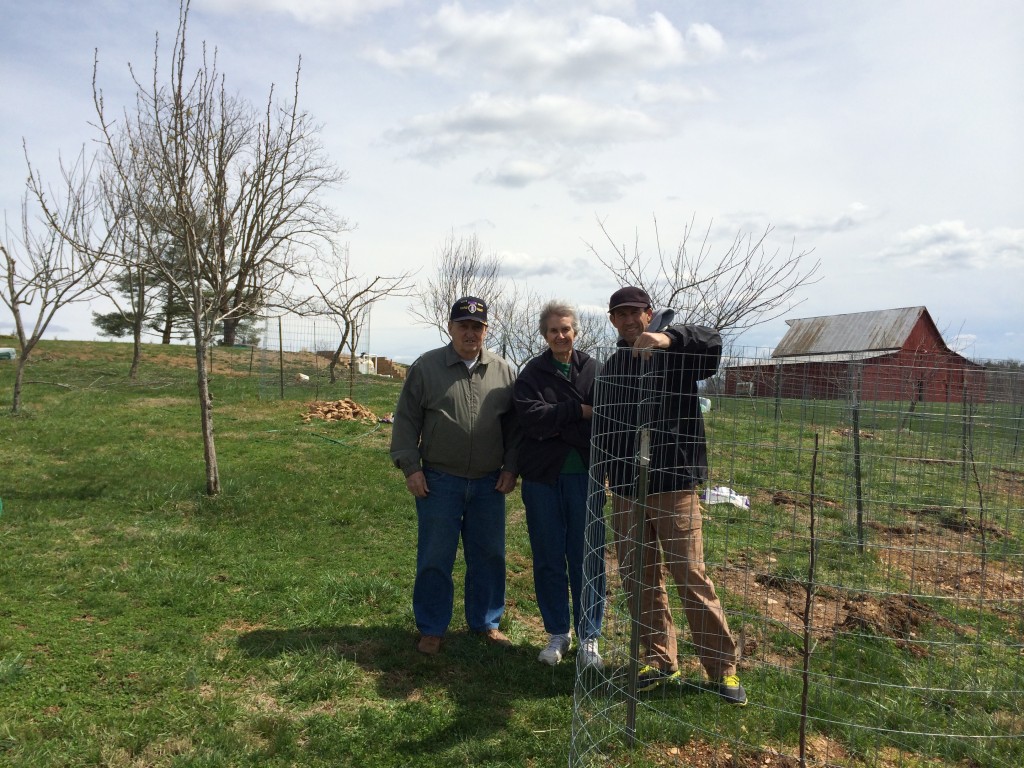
point(143, 623)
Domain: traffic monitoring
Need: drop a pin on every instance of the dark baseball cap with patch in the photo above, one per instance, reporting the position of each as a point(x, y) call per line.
point(629, 297)
point(469, 308)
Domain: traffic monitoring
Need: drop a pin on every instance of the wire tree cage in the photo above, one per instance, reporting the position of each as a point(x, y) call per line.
point(863, 524)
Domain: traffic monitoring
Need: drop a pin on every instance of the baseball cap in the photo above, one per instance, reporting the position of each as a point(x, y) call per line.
point(629, 297)
point(469, 308)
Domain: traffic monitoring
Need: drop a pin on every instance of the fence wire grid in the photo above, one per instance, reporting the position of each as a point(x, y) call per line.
point(863, 528)
point(295, 360)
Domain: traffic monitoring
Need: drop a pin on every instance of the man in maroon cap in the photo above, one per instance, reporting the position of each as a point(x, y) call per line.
point(649, 385)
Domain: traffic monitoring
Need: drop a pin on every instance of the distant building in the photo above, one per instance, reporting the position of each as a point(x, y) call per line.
point(889, 354)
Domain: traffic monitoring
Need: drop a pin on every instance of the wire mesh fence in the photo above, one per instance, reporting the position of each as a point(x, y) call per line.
point(300, 357)
point(863, 531)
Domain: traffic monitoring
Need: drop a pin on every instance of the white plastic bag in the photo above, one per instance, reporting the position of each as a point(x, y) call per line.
point(721, 494)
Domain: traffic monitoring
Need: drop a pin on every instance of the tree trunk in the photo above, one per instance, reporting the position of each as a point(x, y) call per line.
point(168, 312)
point(230, 331)
point(335, 359)
point(352, 371)
point(16, 402)
point(137, 323)
point(133, 371)
point(27, 345)
point(165, 337)
point(206, 417)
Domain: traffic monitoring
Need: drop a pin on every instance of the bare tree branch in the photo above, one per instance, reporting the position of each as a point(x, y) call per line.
point(461, 269)
point(745, 286)
point(348, 298)
point(42, 269)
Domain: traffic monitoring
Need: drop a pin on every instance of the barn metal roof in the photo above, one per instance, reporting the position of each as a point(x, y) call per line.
point(881, 331)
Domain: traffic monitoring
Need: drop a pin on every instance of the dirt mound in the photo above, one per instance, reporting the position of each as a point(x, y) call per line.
point(897, 617)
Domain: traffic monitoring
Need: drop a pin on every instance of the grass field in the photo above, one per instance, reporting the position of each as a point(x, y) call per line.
point(142, 623)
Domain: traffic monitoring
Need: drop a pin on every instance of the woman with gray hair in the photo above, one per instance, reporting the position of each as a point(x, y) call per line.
point(554, 397)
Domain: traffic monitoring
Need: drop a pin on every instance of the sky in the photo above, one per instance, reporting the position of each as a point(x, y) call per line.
point(883, 136)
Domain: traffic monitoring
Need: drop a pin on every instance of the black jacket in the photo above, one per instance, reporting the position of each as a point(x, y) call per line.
point(660, 394)
point(550, 414)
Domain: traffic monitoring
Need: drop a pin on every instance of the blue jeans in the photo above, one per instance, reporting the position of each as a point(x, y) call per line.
point(473, 510)
point(568, 555)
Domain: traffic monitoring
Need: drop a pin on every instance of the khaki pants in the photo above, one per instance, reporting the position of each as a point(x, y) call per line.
point(672, 520)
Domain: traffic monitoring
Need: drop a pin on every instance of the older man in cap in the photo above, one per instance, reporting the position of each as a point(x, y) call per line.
point(455, 438)
point(655, 393)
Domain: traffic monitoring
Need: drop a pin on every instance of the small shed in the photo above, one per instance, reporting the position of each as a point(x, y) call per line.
point(889, 354)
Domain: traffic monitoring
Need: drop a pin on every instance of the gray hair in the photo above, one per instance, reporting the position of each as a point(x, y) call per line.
point(557, 309)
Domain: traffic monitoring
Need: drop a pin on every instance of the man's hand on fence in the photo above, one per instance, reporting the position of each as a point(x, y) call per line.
point(647, 341)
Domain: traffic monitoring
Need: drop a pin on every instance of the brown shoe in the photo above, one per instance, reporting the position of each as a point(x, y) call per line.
point(495, 637)
point(430, 645)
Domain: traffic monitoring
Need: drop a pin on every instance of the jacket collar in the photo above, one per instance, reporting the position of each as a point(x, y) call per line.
point(575, 362)
point(451, 357)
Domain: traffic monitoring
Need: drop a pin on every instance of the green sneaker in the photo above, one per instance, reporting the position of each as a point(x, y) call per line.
point(649, 678)
point(729, 688)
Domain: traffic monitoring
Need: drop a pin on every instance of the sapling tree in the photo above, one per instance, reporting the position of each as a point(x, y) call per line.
point(42, 270)
point(237, 190)
point(348, 297)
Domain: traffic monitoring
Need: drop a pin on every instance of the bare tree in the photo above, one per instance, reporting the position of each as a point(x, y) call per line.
point(42, 270)
point(236, 190)
point(348, 298)
point(743, 287)
point(594, 331)
point(513, 330)
point(461, 269)
point(135, 282)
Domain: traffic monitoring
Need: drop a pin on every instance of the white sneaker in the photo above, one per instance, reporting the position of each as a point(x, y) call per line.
point(589, 656)
point(554, 650)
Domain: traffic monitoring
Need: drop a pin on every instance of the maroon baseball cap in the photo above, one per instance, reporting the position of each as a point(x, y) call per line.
point(629, 297)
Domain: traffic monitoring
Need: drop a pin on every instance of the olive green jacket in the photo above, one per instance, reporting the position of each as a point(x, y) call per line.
point(454, 420)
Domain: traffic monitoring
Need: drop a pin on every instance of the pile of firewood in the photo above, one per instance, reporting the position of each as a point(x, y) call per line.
point(339, 410)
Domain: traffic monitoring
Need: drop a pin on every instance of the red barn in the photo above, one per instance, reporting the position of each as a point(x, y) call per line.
point(889, 354)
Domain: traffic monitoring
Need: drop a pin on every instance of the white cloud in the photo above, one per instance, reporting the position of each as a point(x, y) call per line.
point(477, 225)
point(671, 92)
point(621, 7)
point(520, 265)
point(705, 41)
point(554, 84)
point(963, 342)
point(523, 46)
point(494, 121)
point(515, 174)
point(752, 54)
point(954, 245)
point(604, 187)
point(304, 11)
point(855, 216)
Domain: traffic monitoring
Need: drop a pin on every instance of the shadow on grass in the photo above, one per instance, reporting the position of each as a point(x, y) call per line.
point(484, 685)
point(87, 491)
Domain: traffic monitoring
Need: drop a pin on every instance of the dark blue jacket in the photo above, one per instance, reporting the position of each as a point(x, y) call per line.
point(550, 414)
